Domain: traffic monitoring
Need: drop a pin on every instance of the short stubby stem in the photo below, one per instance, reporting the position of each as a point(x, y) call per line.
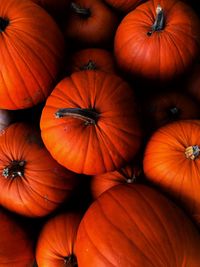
point(89, 66)
point(3, 24)
point(89, 116)
point(173, 113)
point(159, 21)
point(84, 12)
point(14, 169)
point(70, 261)
point(192, 152)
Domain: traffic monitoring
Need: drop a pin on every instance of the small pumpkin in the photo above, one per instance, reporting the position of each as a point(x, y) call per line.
point(171, 161)
point(94, 116)
point(165, 107)
point(102, 182)
point(92, 59)
point(158, 40)
point(16, 248)
point(32, 48)
point(90, 22)
point(134, 225)
point(32, 183)
point(56, 241)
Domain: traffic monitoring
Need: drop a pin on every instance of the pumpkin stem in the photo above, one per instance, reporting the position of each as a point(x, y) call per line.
point(174, 112)
point(14, 169)
point(89, 66)
point(192, 152)
point(70, 261)
point(3, 24)
point(89, 116)
point(159, 21)
point(85, 12)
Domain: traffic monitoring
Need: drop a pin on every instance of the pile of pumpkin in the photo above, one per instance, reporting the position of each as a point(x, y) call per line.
point(100, 133)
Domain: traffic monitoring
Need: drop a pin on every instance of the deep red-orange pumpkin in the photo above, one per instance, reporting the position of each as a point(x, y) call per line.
point(92, 59)
point(165, 107)
point(133, 225)
point(56, 242)
point(171, 161)
point(158, 39)
point(124, 5)
point(32, 183)
point(16, 248)
point(90, 124)
point(90, 22)
point(31, 52)
point(102, 182)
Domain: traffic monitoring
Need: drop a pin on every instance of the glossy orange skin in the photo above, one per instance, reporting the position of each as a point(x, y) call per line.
point(166, 53)
point(31, 53)
point(92, 149)
point(124, 5)
point(157, 108)
point(166, 165)
point(102, 59)
point(97, 29)
point(16, 249)
point(44, 185)
point(101, 183)
point(133, 225)
point(57, 240)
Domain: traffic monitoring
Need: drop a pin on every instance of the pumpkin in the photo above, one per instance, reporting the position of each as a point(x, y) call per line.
point(158, 40)
point(166, 107)
point(92, 59)
point(56, 242)
point(6, 117)
point(90, 22)
point(89, 123)
point(124, 5)
point(134, 225)
point(32, 50)
point(102, 182)
point(16, 249)
point(171, 161)
point(32, 183)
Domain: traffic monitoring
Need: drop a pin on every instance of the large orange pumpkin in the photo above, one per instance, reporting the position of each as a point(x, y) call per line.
point(133, 225)
point(32, 183)
point(56, 242)
point(31, 52)
point(90, 124)
point(171, 161)
point(16, 248)
point(159, 39)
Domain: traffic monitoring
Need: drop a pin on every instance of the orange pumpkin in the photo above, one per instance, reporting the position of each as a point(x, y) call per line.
point(90, 124)
point(32, 183)
point(32, 49)
point(56, 242)
point(171, 161)
point(90, 22)
point(158, 39)
point(92, 59)
point(133, 225)
point(102, 182)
